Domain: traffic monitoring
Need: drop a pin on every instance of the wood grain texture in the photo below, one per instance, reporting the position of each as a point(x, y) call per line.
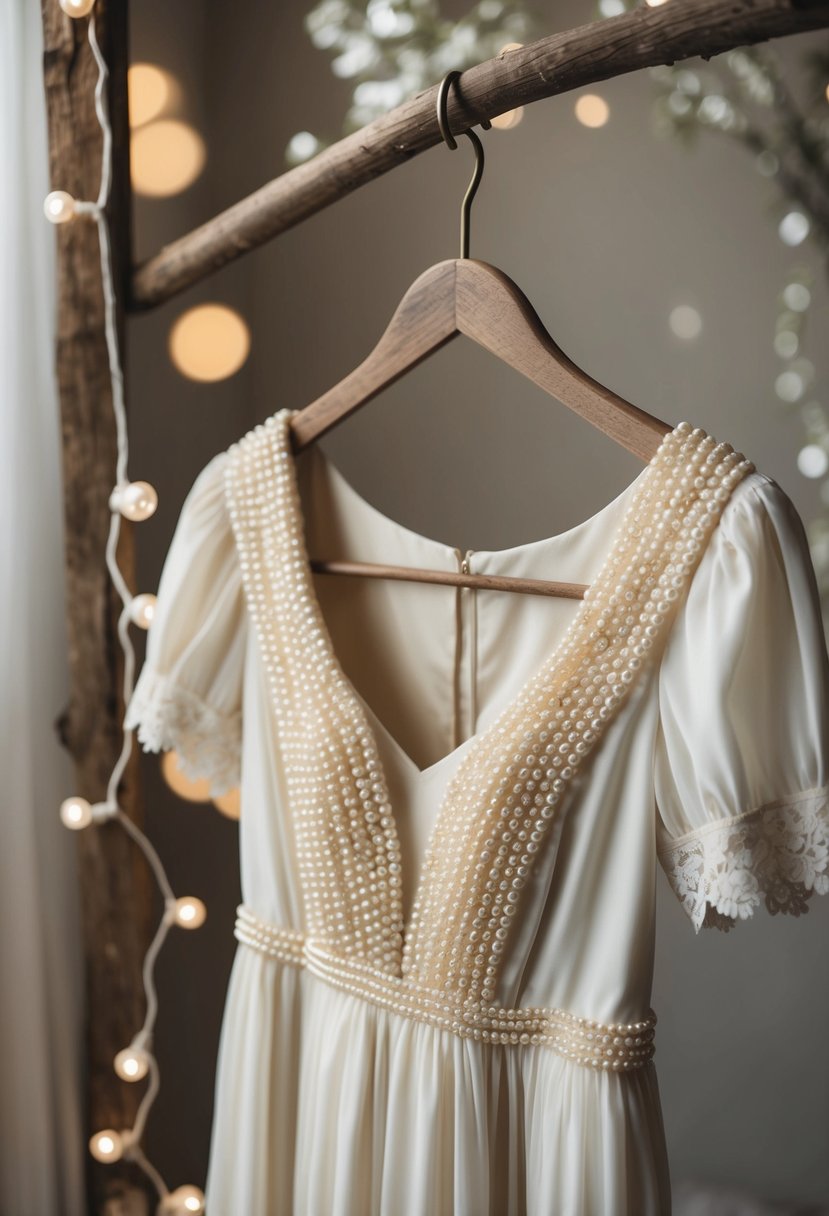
point(471, 297)
point(113, 878)
point(564, 61)
point(468, 296)
point(480, 582)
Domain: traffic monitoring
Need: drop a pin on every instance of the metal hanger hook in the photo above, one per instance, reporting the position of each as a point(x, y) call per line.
point(451, 142)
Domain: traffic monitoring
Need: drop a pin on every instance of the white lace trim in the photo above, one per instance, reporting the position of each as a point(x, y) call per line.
point(777, 854)
point(168, 716)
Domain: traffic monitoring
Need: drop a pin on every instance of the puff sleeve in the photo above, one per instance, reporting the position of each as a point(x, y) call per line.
point(189, 691)
point(741, 760)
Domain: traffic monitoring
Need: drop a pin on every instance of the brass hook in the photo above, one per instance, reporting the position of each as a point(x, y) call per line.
point(451, 142)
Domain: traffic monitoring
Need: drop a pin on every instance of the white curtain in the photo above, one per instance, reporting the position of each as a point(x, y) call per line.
point(42, 1143)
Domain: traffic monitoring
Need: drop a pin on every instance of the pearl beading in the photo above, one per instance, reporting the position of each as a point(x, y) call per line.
point(502, 800)
point(616, 1046)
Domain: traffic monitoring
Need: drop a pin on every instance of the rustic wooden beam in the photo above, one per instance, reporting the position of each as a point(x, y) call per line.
point(569, 60)
point(116, 894)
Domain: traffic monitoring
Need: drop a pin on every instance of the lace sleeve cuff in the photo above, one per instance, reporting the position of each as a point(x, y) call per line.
point(777, 855)
point(168, 716)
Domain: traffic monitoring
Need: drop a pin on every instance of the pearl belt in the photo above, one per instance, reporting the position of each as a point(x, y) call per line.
point(616, 1046)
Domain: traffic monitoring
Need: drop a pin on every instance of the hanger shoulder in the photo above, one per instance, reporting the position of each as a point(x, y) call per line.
point(493, 311)
point(423, 321)
point(468, 296)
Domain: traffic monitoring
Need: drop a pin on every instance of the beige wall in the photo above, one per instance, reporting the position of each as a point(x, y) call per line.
point(605, 231)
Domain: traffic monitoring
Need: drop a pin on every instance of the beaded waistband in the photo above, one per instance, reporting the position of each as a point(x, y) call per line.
point(616, 1046)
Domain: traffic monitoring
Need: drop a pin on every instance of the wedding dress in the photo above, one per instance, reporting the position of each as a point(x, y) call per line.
point(452, 806)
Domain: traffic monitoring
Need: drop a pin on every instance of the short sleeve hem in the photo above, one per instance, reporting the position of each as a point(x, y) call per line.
point(207, 742)
point(776, 855)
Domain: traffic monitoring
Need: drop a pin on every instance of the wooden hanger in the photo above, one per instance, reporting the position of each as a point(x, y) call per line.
point(467, 296)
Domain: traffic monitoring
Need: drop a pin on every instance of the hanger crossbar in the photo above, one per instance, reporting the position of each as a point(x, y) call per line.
point(480, 582)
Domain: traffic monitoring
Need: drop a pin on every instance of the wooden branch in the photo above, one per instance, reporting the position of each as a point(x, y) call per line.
point(113, 878)
point(611, 47)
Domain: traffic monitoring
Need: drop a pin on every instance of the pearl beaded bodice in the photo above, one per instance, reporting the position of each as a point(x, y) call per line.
point(504, 802)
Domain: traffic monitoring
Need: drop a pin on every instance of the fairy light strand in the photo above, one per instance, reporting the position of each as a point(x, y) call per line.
point(136, 501)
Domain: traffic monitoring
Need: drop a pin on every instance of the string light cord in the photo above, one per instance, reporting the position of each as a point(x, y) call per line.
point(135, 501)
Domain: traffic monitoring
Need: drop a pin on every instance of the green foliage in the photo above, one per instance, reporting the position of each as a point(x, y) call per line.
point(393, 49)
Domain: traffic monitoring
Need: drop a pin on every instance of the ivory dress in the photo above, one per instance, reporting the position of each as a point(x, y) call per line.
point(453, 802)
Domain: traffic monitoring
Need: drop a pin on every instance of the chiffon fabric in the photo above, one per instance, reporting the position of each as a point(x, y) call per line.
point(716, 767)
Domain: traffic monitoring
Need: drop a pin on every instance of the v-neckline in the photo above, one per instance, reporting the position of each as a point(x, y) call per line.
point(540, 544)
point(295, 522)
point(420, 775)
point(347, 829)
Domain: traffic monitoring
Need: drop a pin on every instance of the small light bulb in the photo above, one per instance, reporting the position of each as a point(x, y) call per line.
point(142, 610)
point(77, 8)
point(58, 207)
point(183, 1201)
point(190, 912)
point(76, 813)
point(132, 1064)
point(189, 1198)
point(107, 1145)
point(136, 500)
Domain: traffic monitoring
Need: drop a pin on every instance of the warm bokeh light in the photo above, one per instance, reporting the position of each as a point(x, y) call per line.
point(510, 118)
point(76, 813)
point(209, 342)
point(185, 787)
point(592, 110)
point(165, 157)
point(183, 1201)
point(685, 321)
point(77, 8)
point(190, 912)
point(149, 90)
point(229, 804)
point(142, 610)
point(132, 1064)
point(107, 1145)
